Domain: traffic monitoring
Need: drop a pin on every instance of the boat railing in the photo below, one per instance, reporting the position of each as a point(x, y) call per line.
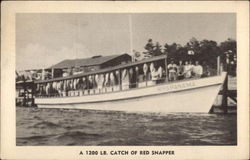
point(102, 90)
point(113, 88)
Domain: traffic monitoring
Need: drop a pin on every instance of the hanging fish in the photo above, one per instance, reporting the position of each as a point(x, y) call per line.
point(54, 85)
point(160, 72)
point(101, 81)
point(145, 68)
point(74, 84)
point(106, 83)
point(112, 79)
point(117, 73)
point(84, 83)
point(65, 86)
point(124, 74)
point(152, 67)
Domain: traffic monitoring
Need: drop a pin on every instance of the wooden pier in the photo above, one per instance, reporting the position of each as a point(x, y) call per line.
point(25, 93)
point(229, 103)
point(226, 101)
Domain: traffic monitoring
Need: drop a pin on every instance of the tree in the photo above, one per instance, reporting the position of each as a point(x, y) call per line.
point(182, 54)
point(205, 51)
point(157, 50)
point(171, 49)
point(209, 51)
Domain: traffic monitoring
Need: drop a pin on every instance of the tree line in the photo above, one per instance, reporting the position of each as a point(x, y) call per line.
point(205, 51)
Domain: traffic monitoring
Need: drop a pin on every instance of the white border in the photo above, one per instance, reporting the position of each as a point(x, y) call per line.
point(8, 119)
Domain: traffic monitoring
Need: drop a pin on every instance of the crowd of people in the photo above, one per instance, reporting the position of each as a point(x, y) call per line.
point(184, 71)
point(123, 79)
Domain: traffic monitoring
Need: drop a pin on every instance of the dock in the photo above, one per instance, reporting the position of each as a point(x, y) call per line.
point(226, 101)
point(25, 93)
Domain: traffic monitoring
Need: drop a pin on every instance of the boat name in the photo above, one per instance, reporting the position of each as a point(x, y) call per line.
point(178, 86)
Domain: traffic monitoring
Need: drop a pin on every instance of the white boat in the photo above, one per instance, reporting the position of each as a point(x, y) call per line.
point(195, 95)
point(190, 95)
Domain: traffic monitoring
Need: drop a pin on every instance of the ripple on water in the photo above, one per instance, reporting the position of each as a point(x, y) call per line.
point(87, 127)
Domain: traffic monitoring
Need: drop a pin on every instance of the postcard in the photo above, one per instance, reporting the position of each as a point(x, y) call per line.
point(125, 80)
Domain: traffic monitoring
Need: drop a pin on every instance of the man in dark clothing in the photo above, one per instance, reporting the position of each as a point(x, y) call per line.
point(180, 71)
point(150, 46)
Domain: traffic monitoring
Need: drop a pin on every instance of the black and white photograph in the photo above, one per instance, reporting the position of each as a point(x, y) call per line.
point(124, 80)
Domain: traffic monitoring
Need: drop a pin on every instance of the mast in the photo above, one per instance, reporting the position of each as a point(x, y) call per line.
point(131, 36)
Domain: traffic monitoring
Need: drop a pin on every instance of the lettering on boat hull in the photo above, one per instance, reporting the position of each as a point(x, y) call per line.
point(178, 86)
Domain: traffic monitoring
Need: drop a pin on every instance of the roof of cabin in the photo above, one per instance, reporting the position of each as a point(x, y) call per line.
point(95, 60)
point(132, 64)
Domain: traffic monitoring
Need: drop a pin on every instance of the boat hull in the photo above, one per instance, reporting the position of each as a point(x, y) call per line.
point(195, 95)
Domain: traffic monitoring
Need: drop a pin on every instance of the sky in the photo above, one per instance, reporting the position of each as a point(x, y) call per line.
point(44, 39)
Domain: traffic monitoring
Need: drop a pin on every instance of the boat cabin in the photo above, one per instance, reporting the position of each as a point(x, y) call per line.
point(144, 73)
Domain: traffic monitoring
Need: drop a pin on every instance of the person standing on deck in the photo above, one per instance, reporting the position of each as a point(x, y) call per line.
point(93, 81)
point(197, 69)
point(44, 89)
point(77, 83)
point(192, 68)
point(125, 79)
point(118, 77)
point(136, 75)
point(160, 74)
point(150, 47)
point(180, 71)
point(90, 80)
point(38, 89)
point(187, 70)
point(95, 77)
point(132, 77)
point(172, 69)
point(206, 70)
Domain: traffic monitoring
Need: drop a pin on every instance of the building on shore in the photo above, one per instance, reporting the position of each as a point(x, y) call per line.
point(76, 66)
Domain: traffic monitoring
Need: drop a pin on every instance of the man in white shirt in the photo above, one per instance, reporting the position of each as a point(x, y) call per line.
point(197, 69)
point(187, 70)
point(172, 69)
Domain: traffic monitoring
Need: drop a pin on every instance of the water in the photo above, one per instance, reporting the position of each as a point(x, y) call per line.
point(59, 127)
